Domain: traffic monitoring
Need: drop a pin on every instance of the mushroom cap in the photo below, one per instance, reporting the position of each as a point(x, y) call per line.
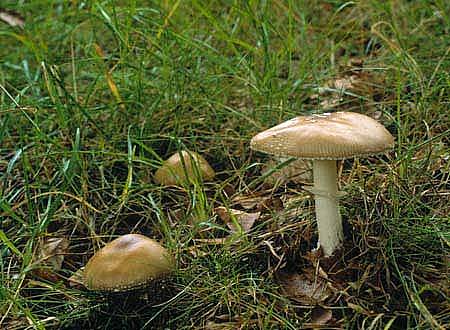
point(127, 262)
point(183, 166)
point(335, 135)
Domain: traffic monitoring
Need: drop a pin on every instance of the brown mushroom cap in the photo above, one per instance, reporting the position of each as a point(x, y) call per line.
point(335, 135)
point(129, 261)
point(182, 166)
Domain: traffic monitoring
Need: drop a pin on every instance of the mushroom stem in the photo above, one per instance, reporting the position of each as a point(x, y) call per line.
point(327, 209)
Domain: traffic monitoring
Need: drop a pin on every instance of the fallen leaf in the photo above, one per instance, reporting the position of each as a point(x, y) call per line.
point(50, 256)
point(320, 317)
point(11, 18)
point(237, 221)
point(304, 288)
point(52, 251)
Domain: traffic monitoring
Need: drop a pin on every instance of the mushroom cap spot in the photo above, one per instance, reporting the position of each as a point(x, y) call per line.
point(129, 261)
point(183, 166)
point(335, 135)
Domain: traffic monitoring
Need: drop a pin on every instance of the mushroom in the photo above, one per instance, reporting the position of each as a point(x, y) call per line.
point(324, 139)
point(183, 166)
point(125, 263)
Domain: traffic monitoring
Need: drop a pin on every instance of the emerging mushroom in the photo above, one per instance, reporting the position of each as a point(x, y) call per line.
point(127, 262)
point(181, 167)
point(324, 139)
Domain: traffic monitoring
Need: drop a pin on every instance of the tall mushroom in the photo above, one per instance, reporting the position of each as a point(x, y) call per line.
point(324, 139)
point(127, 262)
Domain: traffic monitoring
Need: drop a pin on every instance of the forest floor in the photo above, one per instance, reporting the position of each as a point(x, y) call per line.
point(94, 95)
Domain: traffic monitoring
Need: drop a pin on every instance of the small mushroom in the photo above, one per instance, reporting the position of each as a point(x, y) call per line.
point(183, 166)
point(125, 263)
point(324, 139)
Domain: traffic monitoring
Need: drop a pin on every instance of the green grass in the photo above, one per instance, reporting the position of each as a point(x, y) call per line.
point(95, 94)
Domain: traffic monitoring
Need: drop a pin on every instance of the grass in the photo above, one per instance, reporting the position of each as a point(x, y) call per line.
point(95, 94)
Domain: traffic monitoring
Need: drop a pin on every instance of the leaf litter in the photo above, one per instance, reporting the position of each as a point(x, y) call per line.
point(50, 257)
point(238, 221)
point(307, 287)
point(12, 18)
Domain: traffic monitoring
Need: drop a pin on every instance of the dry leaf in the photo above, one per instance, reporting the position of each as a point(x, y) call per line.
point(51, 251)
point(242, 222)
point(320, 317)
point(11, 18)
point(259, 202)
point(306, 289)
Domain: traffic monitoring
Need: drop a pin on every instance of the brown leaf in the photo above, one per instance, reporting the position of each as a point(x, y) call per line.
point(305, 288)
point(320, 317)
point(52, 251)
point(50, 256)
point(11, 18)
point(237, 221)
